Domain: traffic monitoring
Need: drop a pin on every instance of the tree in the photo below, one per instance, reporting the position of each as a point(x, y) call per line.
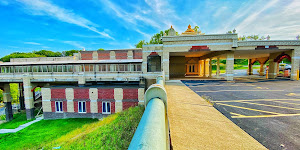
point(19, 55)
point(140, 44)
point(196, 28)
point(70, 52)
point(251, 37)
point(100, 49)
point(48, 53)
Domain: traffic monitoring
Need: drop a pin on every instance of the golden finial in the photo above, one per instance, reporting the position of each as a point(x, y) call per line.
point(189, 27)
point(171, 27)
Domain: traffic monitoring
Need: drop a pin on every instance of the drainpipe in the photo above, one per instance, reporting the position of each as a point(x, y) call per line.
point(153, 129)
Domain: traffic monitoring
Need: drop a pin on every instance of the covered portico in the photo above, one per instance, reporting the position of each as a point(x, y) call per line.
point(192, 54)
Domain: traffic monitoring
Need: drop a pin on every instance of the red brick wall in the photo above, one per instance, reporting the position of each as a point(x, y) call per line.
point(86, 55)
point(126, 105)
point(112, 107)
point(53, 106)
point(105, 93)
point(121, 54)
point(100, 107)
point(137, 55)
point(130, 94)
point(88, 106)
point(75, 106)
point(58, 93)
point(81, 94)
point(103, 55)
point(65, 108)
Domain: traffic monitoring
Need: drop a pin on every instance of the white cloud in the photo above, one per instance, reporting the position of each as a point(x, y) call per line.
point(46, 8)
point(32, 43)
point(74, 43)
point(220, 11)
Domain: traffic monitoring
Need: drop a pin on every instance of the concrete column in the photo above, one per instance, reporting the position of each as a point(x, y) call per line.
point(93, 92)
point(272, 66)
point(28, 96)
point(295, 61)
point(70, 98)
point(165, 64)
point(261, 69)
point(46, 99)
point(210, 68)
point(112, 55)
point(207, 67)
point(95, 55)
point(81, 79)
point(218, 67)
point(7, 102)
point(129, 55)
point(141, 92)
point(118, 95)
point(229, 66)
point(250, 67)
point(21, 97)
point(204, 68)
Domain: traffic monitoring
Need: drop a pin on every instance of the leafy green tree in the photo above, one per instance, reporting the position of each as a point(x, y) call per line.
point(100, 49)
point(251, 37)
point(70, 52)
point(141, 43)
point(48, 53)
point(19, 55)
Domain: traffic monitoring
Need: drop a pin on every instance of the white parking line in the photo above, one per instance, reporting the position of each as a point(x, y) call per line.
point(240, 91)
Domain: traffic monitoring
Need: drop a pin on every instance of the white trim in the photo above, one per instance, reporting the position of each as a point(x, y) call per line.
point(297, 57)
point(152, 51)
point(165, 60)
point(142, 101)
point(153, 45)
point(106, 102)
point(28, 98)
point(118, 100)
point(82, 106)
point(199, 44)
point(46, 100)
point(61, 106)
point(93, 100)
point(229, 58)
point(69, 100)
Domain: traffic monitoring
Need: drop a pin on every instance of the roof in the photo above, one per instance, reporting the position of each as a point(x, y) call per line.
point(114, 61)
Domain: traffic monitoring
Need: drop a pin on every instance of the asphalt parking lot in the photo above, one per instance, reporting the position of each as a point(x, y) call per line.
point(268, 110)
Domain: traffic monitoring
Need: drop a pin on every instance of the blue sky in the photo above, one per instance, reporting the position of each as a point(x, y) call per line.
point(59, 25)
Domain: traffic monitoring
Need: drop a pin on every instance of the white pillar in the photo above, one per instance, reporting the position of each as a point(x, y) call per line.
point(229, 66)
point(295, 61)
point(218, 67)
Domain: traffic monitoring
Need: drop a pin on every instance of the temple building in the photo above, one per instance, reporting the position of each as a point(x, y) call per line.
point(94, 84)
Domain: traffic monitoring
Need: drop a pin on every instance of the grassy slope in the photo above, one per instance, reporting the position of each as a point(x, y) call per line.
point(113, 132)
point(18, 120)
point(40, 133)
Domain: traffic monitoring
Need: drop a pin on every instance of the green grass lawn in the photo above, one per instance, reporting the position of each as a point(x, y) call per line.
point(19, 119)
point(113, 132)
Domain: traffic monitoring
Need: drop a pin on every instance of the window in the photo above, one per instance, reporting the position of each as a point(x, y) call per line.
point(105, 107)
point(59, 106)
point(81, 107)
point(153, 63)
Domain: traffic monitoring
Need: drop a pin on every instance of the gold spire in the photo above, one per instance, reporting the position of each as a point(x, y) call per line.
point(171, 27)
point(189, 31)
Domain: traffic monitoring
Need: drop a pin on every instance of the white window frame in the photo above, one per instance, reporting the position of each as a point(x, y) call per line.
point(82, 102)
point(106, 107)
point(59, 109)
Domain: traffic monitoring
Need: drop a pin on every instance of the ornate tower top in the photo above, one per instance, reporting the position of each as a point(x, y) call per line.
point(189, 31)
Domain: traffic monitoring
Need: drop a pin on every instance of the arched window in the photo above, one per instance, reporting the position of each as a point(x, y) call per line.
point(154, 62)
